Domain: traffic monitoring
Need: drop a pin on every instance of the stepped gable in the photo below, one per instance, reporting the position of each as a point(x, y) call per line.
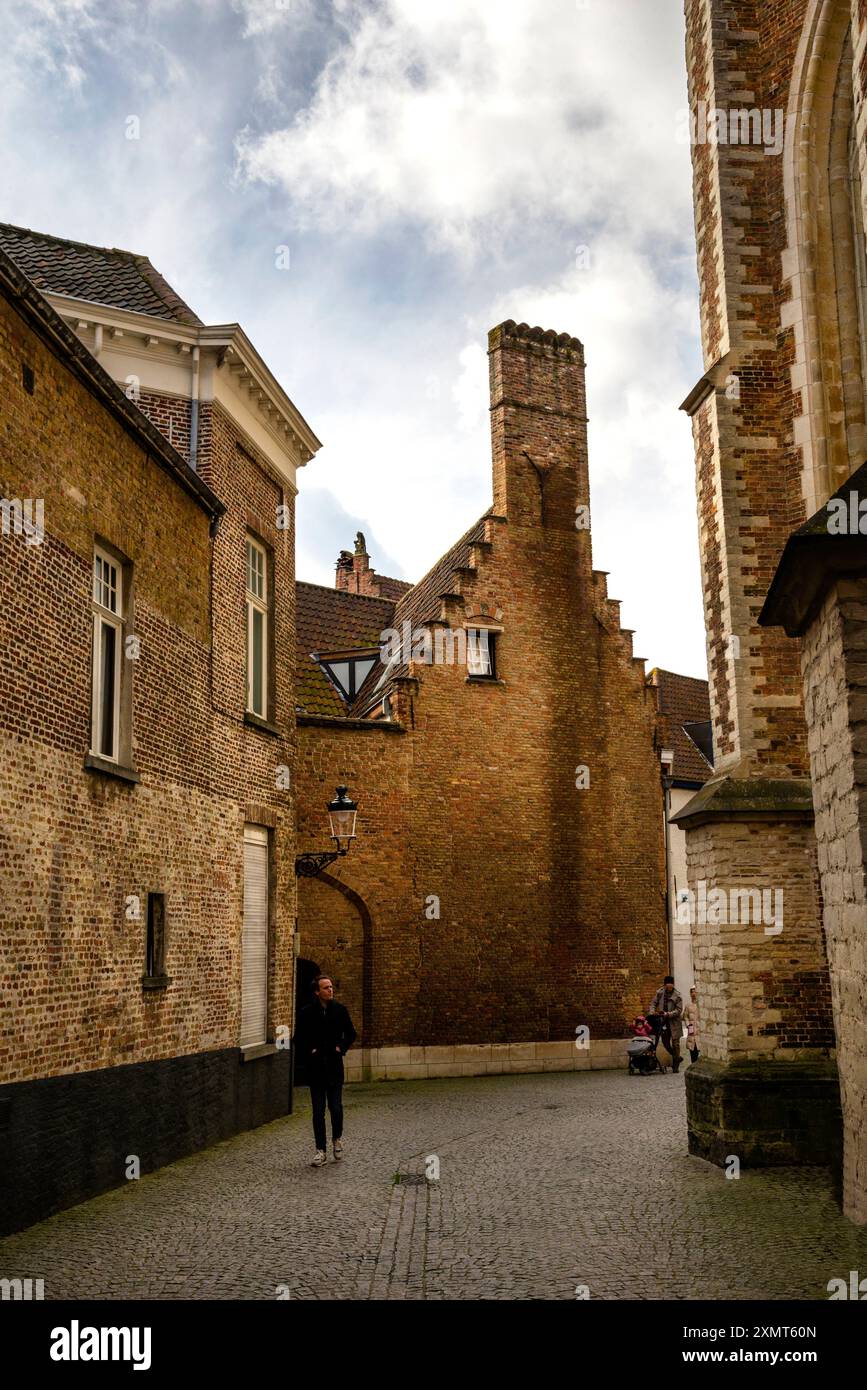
point(99, 274)
point(683, 700)
point(421, 604)
point(329, 620)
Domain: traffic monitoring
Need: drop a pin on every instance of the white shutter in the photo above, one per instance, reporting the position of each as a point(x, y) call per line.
point(254, 938)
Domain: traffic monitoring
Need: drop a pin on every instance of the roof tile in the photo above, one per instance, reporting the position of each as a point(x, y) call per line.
point(95, 273)
point(330, 620)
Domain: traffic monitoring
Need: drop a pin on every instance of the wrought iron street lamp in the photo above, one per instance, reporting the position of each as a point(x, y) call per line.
point(341, 814)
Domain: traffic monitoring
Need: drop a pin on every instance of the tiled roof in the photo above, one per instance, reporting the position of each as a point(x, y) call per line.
point(393, 589)
point(96, 273)
point(683, 700)
point(420, 604)
point(329, 620)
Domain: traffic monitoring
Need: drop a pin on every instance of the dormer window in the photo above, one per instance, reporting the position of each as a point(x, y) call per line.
point(348, 671)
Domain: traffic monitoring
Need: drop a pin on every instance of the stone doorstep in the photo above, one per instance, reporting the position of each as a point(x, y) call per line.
point(408, 1063)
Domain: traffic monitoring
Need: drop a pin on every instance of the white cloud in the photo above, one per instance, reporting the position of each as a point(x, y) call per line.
point(433, 167)
point(464, 112)
point(636, 330)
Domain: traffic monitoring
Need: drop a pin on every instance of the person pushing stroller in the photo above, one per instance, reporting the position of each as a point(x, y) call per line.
point(666, 1014)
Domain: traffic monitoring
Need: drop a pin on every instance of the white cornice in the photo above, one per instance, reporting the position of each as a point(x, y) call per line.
point(158, 352)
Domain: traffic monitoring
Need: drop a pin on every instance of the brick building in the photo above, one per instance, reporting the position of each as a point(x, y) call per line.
point(687, 757)
point(508, 882)
point(147, 897)
point(780, 428)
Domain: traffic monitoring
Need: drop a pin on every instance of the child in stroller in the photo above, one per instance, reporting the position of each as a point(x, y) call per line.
point(641, 1051)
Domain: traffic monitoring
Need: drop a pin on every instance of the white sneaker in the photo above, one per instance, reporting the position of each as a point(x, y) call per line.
point(338, 1148)
point(320, 1159)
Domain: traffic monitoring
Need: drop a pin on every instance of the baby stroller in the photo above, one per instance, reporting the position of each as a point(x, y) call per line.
point(641, 1052)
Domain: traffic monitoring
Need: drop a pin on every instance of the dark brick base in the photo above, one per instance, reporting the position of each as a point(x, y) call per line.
point(66, 1138)
point(767, 1113)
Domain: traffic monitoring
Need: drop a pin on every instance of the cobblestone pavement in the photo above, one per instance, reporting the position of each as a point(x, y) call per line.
point(547, 1182)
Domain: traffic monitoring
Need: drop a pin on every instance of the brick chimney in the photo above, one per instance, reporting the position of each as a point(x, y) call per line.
point(354, 575)
point(538, 426)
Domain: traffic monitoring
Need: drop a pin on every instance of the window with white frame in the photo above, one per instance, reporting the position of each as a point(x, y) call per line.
point(107, 655)
point(257, 629)
point(480, 653)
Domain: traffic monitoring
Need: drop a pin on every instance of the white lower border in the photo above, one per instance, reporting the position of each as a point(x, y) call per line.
point(482, 1059)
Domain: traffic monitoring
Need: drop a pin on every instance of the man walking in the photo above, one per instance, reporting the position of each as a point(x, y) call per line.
point(667, 1009)
point(323, 1037)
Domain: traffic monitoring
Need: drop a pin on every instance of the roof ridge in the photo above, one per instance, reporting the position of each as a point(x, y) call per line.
point(346, 593)
point(664, 671)
point(462, 540)
point(70, 241)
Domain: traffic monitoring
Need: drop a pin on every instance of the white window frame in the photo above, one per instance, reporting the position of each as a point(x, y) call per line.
point(107, 612)
point(255, 945)
point(479, 648)
point(257, 602)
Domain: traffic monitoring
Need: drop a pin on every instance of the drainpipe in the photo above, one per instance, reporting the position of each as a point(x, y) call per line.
point(194, 412)
point(667, 760)
point(97, 340)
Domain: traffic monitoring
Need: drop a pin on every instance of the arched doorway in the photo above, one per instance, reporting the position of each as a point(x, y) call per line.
point(826, 258)
point(334, 935)
point(306, 972)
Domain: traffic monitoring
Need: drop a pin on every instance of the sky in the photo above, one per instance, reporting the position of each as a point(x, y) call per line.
point(369, 186)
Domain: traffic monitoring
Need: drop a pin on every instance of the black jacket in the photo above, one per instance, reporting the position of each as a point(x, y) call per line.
point(322, 1039)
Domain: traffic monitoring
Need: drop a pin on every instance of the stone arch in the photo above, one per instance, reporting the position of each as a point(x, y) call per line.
point(335, 930)
point(824, 262)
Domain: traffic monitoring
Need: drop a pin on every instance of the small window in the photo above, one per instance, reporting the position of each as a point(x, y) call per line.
point(107, 656)
point(349, 675)
point(257, 629)
point(481, 646)
point(155, 951)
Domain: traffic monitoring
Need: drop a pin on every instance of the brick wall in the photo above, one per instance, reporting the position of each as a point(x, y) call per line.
point(749, 466)
point(551, 899)
point(75, 844)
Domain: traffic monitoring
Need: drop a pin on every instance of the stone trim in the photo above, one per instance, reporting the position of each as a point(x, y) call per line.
point(755, 798)
point(250, 1054)
point(263, 725)
point(406, 1063)
point(327, 721)
point(93, 763)
point(155, 982)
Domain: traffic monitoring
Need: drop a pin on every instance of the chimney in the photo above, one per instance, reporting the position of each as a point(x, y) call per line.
point(345, 576)
point(354, 575)
point(538, 427)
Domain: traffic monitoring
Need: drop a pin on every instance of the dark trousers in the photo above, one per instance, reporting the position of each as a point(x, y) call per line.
point(332, 1093)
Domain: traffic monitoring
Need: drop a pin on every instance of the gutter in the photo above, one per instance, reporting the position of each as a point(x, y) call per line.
point(194, 413)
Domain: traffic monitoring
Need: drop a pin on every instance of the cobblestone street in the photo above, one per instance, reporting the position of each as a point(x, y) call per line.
point(547, 1182)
